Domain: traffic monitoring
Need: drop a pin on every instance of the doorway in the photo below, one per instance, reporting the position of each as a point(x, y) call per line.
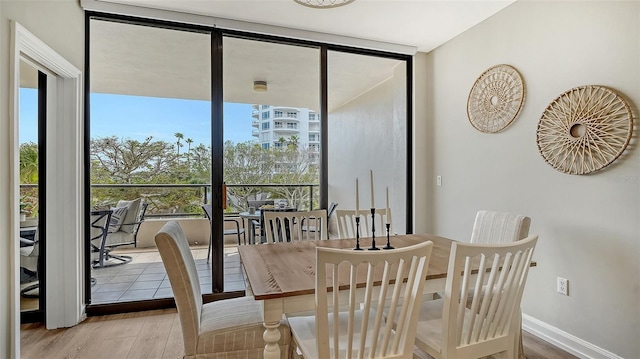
point(32, 124)
point(61, 303)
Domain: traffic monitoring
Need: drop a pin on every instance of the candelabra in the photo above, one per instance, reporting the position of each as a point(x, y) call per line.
point(388, 246)
point(357, 248)
point(373, 231)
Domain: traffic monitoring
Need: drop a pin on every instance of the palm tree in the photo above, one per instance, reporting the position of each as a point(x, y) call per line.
point(179, 136)
point(293, 141)
point(189, 142)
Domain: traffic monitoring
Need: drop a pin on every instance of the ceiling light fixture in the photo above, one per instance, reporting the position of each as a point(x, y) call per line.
point(323, 4)
point(260, 86)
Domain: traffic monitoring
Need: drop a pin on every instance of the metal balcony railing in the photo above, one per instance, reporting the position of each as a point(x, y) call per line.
point(159, 194)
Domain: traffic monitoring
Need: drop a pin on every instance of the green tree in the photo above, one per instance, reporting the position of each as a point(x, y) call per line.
point(29, 162)
point(179, 137)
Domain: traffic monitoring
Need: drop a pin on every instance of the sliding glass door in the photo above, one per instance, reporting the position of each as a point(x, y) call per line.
point(185, 116)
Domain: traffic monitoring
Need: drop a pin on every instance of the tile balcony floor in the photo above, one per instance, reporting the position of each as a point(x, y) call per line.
point(145, 278)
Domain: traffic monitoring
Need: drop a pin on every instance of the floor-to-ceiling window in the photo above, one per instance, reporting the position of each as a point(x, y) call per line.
point(176, 112)
point(367, 115)
point(150, 151)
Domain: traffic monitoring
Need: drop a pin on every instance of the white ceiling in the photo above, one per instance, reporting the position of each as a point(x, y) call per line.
point(425, 24)
point(146, 61)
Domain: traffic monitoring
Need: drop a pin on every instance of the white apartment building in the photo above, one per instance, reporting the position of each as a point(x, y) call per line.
point(277, 126)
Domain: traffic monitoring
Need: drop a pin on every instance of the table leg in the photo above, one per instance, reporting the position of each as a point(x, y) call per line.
point(272, 314)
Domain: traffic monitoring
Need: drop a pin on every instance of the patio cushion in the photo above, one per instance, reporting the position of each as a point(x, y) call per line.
point(133, 207)
point(117, 218)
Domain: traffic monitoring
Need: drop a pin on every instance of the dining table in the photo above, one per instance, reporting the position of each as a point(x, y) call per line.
point(282, 276)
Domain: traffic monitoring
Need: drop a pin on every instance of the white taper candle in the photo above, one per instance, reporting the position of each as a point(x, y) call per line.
point(388, 212)
point(357, 198)
point(373, 203)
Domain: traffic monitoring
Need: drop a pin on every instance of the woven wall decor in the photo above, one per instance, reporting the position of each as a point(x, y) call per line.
point(495, 99)
point(584, 130)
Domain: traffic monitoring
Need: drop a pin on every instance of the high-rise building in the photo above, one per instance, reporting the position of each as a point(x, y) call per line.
point(281, 125)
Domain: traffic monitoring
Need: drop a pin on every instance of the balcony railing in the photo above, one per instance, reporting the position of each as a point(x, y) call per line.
point(184, 200)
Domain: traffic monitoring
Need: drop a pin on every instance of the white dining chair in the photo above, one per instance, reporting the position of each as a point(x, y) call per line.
point(347, 222)
point(280, 226)
point(499, 227)
point(348, 320)
point(457, 326)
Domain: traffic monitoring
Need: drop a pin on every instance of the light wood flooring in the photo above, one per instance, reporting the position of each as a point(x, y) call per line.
point(153, 334)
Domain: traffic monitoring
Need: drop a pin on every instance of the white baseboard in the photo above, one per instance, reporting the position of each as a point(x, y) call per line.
point(565, 341)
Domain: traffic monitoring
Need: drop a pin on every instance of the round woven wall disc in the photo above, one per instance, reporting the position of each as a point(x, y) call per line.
point(584, 130)
point(495, 99)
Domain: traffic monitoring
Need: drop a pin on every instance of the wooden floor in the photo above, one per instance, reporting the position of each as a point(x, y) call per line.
point(153, 334)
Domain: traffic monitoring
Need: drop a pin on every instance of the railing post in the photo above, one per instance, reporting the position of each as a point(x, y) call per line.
point(205, 194)
point(310, 197)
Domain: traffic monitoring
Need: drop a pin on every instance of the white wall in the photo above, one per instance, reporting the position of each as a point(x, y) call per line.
point(367, 133)
point(60, 24)
point(589, 226)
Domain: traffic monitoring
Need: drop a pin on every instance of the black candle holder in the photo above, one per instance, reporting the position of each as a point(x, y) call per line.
point(357, 248)
point(373, 231)
point(388, 246)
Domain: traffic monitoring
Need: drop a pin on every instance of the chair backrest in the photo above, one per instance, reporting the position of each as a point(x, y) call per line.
point(183, 276)
point(29, 254)
point(492, 227)
point(332, 208)
point(285, 226)
point(347, 222)
point(362, 329)
point(207, 211)
point(487, 320)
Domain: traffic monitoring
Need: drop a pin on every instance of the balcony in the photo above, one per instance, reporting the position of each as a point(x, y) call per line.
point(144, 277)
point(255, 123)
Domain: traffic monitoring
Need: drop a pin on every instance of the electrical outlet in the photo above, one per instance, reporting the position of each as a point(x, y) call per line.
point(563, 286)
point(439, 180)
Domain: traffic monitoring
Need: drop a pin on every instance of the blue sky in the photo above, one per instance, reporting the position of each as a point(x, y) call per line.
point(138, 117)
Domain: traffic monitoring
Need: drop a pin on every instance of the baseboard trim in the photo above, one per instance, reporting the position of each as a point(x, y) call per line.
point(565, 341)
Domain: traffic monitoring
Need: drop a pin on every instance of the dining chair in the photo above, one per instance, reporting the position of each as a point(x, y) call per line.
point(348, 320)
point(347, 222)
point(287, 226)
point(229, 328)
point(330, 210)
point(495, 275)
point(237, 231)
point(499, 227)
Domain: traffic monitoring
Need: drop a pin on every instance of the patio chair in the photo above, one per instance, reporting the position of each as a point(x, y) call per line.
point(257, 204)
point(29, 254)
point(287, 226)
point(99, 222)
point(448, 328)
point(229, 328)
point(359, 330)
point(234, 231)
point(122, 230)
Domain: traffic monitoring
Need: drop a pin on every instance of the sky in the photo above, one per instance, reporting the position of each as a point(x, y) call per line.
point(138, 117)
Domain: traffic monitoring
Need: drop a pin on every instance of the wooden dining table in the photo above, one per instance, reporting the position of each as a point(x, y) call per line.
point(282, 275)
